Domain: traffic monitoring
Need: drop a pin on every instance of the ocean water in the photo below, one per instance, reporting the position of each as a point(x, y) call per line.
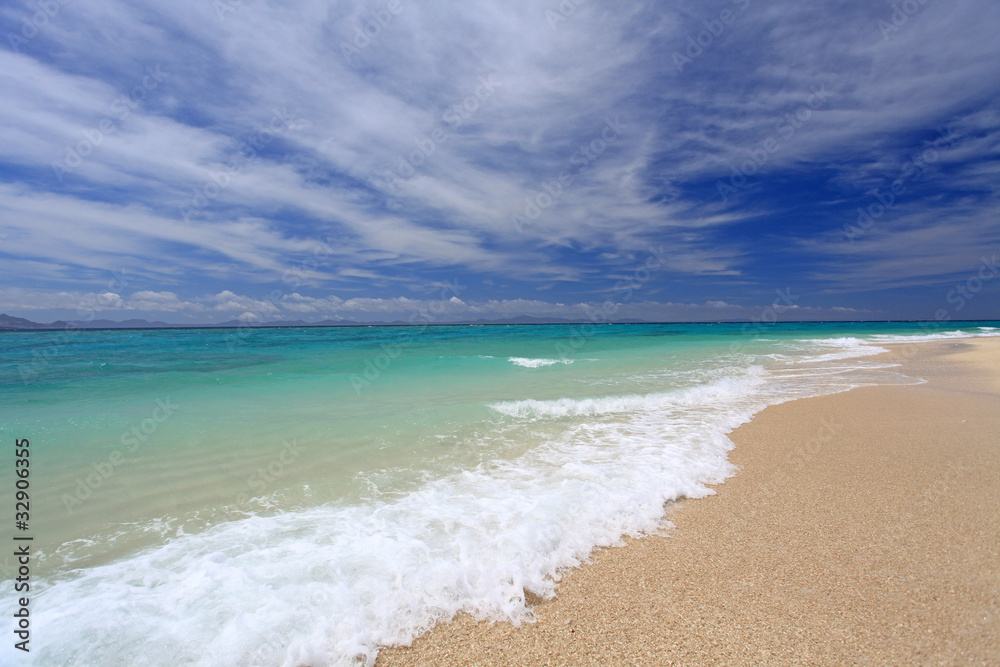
point(304, 496)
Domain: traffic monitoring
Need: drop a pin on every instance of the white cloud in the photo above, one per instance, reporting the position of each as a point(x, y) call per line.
point(227, 301)
point(229, 305)
point(161, 302)
point(323, 174)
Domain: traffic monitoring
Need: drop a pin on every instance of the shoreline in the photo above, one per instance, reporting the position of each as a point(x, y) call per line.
point(862, 527)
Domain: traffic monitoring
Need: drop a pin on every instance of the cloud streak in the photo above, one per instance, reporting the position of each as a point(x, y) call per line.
point(209, 150)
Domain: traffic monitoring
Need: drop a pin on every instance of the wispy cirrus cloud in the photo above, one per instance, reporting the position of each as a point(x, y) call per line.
point(407, 158)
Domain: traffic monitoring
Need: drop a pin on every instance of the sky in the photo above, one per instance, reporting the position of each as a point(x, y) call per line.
point(200, 161)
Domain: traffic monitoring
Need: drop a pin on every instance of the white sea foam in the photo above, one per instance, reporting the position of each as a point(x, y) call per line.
point(984, 332)
point(326, 586)
point(722, 390)
point(847, 347)
point(537, 363)
point(330, 584)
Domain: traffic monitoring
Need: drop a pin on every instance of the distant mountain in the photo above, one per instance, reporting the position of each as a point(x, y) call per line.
point(522, 319)
point(286, 323)
point(11, 323)
point(8, 323)
point(127, 324)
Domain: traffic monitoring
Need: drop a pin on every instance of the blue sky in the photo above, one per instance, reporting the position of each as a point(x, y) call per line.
point(203, 161)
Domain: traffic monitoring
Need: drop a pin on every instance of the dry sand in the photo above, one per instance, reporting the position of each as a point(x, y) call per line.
point(862, 528)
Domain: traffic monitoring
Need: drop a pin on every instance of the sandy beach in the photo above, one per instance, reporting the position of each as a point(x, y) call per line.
point(862, 528)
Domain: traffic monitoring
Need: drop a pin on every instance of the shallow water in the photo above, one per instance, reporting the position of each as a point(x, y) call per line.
point(301, 496)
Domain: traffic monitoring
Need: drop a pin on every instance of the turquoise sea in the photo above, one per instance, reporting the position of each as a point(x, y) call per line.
point(302, 496)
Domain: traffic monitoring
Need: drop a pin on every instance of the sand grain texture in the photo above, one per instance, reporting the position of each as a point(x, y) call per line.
point(863, 528)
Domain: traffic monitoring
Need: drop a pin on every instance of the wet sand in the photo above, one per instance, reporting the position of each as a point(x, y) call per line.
point(862, 528)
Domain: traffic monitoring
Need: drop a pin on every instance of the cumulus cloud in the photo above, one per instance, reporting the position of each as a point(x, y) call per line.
point(164, 302)
point(228, 305)
point(228, 301)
